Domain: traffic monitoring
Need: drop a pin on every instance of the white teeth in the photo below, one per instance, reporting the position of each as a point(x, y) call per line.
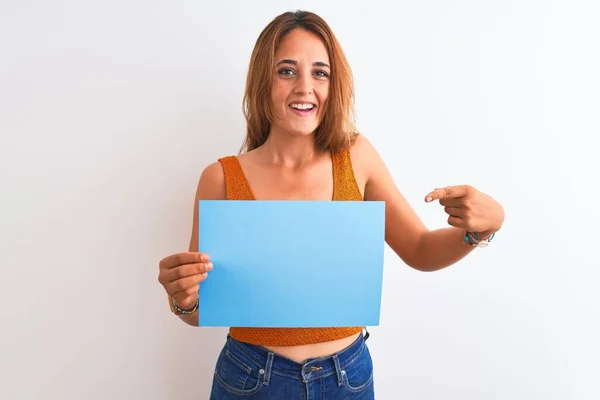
point(303, 106)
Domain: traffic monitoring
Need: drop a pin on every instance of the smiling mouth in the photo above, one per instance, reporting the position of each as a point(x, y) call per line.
point(303, 108)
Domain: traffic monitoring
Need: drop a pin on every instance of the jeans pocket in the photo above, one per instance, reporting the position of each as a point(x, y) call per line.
point(358, 376)
point(236, 373)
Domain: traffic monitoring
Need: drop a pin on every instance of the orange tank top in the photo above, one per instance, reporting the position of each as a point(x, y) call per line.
point(345, 188)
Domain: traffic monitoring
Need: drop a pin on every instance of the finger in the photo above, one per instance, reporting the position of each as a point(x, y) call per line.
point(187, 270)
point(187, 288)
point(456, 222)
point(448, 192)
point(178, 259)
point(185, 283)
point(452, 202)
point(455, 211)
point(183, 294)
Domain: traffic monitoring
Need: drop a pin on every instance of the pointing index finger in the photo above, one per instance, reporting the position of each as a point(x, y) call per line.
point(448, 192)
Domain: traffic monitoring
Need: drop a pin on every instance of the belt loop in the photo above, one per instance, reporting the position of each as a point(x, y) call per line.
point(268, 368)
point(338, 370)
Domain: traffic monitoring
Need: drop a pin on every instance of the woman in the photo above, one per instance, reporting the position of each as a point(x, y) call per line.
point(301, 144)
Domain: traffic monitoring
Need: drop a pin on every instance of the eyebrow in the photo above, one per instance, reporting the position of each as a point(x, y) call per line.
point(293, 62)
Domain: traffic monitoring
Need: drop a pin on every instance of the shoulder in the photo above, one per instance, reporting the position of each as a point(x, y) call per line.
point(364, 156)
point(360, 146)
point(211, 185)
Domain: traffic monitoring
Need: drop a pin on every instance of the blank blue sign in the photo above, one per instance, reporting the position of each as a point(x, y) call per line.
point(292, 263)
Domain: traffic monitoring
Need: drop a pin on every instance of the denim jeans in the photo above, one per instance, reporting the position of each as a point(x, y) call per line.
point(245, 371)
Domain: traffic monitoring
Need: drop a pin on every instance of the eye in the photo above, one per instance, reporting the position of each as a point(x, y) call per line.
point(286, 72)
point(321, 74)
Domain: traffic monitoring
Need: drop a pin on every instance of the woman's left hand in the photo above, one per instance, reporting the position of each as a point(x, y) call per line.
point(469, 209)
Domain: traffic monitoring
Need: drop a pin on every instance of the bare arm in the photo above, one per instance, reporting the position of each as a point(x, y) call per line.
point(405, 233)
point(211, 186)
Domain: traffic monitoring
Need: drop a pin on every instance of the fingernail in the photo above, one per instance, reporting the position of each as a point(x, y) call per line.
point(205, 274)
point(209, 266)
point(428, 199)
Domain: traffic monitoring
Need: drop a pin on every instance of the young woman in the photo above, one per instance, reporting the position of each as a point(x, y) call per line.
point(301, 144)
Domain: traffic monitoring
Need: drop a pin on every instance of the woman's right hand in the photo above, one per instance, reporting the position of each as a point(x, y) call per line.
point(181, 274)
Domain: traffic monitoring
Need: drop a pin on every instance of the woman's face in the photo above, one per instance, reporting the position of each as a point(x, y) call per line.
point(301, 83)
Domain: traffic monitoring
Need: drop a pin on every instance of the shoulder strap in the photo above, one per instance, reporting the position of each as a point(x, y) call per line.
point(236, 183)
point(344, 181)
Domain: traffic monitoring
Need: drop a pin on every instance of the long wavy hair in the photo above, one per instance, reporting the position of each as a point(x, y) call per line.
point(337, 128)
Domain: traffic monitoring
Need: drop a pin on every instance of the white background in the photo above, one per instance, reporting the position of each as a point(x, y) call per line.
point(110, 110)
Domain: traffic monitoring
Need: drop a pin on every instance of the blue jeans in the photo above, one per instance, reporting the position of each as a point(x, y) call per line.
point(245, 371)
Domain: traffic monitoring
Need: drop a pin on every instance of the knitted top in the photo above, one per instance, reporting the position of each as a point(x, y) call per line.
point(345, 188)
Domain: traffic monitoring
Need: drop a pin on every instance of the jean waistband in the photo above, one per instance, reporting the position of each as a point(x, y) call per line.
point(310, 369)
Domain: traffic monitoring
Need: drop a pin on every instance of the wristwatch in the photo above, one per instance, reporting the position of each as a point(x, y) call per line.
point(175, 309)
point(473, 239)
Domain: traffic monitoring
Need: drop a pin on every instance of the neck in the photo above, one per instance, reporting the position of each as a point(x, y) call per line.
point(289, 150)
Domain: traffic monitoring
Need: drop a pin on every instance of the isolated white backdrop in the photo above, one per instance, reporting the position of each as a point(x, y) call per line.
point(110, 110)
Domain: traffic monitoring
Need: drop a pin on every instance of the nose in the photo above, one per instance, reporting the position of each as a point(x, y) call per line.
point(304, 84)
